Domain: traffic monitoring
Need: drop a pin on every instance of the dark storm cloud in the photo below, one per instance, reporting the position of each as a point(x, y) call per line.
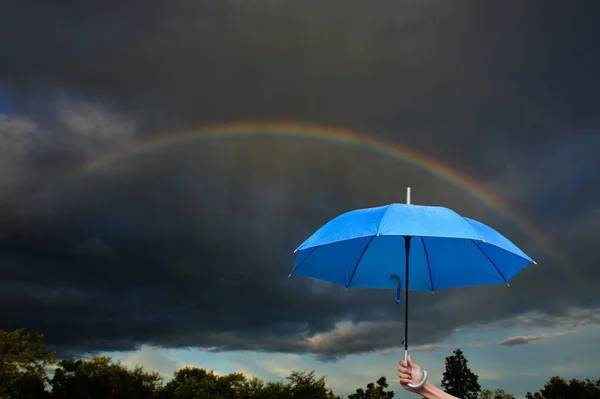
point(191, 247)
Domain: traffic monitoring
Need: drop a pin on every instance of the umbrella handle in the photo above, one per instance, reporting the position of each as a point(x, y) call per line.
point(423, 381)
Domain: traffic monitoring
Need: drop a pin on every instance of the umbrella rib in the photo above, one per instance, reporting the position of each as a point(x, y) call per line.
point(491, 261)
point(428, 264)
point(358, 262)
point(304, 260)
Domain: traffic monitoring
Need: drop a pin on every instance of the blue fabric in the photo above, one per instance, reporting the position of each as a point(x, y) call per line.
point(363, 248)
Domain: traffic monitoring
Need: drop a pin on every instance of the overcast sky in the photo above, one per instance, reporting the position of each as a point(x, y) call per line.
point(185, 251)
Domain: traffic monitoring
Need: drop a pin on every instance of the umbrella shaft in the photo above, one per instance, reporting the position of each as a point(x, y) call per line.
point(407, 250)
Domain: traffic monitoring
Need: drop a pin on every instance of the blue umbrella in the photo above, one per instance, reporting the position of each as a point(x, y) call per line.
point(365, 248)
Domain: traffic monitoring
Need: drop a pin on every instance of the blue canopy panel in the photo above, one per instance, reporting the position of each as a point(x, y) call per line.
point(396, 220)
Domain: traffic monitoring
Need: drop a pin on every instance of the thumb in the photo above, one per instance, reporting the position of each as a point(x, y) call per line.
point(410, 362)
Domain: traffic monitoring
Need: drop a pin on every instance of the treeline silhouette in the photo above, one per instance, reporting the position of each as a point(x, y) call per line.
point(24, 364)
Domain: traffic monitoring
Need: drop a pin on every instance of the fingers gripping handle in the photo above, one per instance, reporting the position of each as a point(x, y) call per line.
point(420, 384)
point(423, 381)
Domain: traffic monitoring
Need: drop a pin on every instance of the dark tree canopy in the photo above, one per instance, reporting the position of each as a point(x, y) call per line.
point(559, 388)
point(458, 379)
point(374, 391)
point(100, 378)
point(23, 357)
point(495, 394)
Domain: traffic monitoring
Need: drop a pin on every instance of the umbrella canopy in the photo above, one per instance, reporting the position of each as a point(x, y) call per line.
point(403, 246)
point(363, 248)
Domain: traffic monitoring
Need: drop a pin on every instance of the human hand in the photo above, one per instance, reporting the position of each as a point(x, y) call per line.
point(410, 373)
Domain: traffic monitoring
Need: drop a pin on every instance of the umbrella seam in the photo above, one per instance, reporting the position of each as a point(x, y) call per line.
point(383, 218)
point(472, 228)
point(300, 248)
point(491, 261)
point(304, 260)
point(428, 264)
point(358, 262)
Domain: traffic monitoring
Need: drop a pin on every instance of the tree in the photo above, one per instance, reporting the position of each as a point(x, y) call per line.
point(100, 378)
point(458, 379)
point(496, 394)
point(195, 383)
point(558, 388)
point(23, 358)
point(274, 390)
point(250, 388)
point(374, 391)
point(587, 389)
point(305, 386)
point(198, 383)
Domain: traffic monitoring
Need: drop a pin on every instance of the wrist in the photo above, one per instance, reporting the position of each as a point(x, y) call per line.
point(430, 391)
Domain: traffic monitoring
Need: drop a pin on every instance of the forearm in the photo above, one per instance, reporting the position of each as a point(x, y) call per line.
point(430, 391)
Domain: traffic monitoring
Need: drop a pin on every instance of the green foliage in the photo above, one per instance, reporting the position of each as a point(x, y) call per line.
point(558, 388)
point(23, 358)
point(374, 391)
point(305, 386)
point(274, 390)
point(458, 379)
point(496, 394)
point(101, 378)
point(195, 383)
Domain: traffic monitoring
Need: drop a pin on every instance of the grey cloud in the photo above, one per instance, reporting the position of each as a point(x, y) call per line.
point(575, 317)
point(15, 134)
point(520, 340)
point(96, 247)
point(97, 130)
point(528, 339)
point(15, 139)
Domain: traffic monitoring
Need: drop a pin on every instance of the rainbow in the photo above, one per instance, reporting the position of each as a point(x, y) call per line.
point(334, 135)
